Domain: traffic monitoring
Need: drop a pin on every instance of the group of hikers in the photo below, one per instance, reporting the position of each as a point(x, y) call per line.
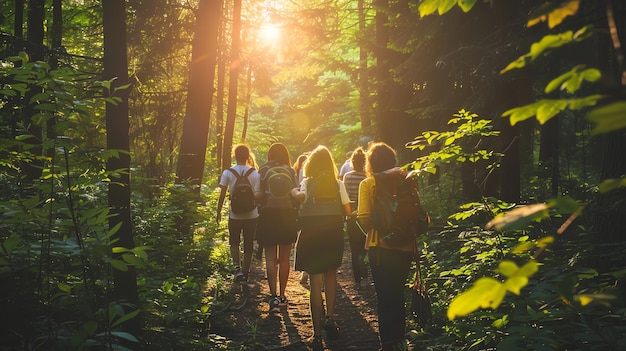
point(309, 203)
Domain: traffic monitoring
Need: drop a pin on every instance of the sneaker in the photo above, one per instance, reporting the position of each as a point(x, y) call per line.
point(332, 329)
point(304, 277)
point(274, 304)
point(238, 274)
point(315, 342)
point(282, 301)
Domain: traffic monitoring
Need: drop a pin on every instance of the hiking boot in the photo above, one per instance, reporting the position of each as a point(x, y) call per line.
point(282, 301)
point(274, 304)
point(331, 328)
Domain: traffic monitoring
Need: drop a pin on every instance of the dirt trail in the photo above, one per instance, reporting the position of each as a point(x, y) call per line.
point(252, 324)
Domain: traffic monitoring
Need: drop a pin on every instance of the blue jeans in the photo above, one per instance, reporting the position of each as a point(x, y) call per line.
point(390, 269)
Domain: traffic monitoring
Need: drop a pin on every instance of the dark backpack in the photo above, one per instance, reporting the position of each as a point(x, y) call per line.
point(322, 197)
point(242, 194)
point(397, 213)
point(278, 184)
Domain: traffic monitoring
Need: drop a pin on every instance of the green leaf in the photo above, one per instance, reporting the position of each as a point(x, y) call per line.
point(608, 118)
point(445, 6)
point(119, 265)
point(572, 80)
point(507, 268)
point(466, 5)
point(485, 293)
point(549, 108)
point(564, 204)
point(548, 42)
point(428, 7)
point(10, 244)
point(520, 62)
point(125, 318)
point(64, 287)
point(125, 335)
point(515, 284)
point(119, 249)
point(519, 218)
point(612, 184)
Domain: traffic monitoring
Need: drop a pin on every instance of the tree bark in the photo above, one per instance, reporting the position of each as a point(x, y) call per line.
point(200, 94)
point(35, 49)
point(366, 121)
point(115, 64)
point(235, 64)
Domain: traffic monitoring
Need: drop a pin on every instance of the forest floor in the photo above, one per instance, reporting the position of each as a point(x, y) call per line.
point(251, 324)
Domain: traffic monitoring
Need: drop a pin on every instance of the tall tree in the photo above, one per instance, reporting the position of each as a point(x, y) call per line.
point(115, 65)
point(235, 65)
point(363, 76)
point(35, 48)
point(200, 93)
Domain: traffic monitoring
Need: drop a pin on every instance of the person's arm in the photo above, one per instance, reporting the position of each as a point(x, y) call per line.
point(345, 198)
point(299, 194)
point(220, 203)
point(364, 209)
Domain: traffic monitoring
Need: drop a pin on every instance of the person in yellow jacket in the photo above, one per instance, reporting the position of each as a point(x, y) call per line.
point(389, 265)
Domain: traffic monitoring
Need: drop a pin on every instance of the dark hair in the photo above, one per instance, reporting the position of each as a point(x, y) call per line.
point(380, 157)
point(300, 162)
point(358, 159)
point(320, 161)
point(242, 153)
point(278, 152)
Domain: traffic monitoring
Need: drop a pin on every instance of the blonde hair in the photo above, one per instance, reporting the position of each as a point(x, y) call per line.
point(320, 161)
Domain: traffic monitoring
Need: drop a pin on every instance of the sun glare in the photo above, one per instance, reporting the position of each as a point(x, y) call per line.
point(270, 34)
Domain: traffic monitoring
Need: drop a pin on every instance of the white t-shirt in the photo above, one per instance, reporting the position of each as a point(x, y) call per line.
point(345, 168)
point(228, 180)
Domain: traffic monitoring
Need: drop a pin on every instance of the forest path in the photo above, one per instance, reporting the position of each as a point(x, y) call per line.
point(252, 323)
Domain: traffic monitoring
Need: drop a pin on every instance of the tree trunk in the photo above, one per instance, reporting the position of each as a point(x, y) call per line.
point(18, 26)
point(200, 94)
point(115, 64)
point(382, 71)
point(609, 224)
point(235, 64)
point(549, 153)
point(35, 49)
point(248, 98)
point(366, 121)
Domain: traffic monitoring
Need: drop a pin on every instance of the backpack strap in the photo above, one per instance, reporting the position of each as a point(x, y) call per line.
point(248, 172)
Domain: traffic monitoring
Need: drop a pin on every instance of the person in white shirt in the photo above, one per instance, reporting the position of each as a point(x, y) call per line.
point(240, 224)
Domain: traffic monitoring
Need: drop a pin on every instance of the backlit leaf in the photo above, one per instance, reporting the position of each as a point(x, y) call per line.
point(612, 184)
point(428, 7)
point(515, 284)
point(608, 118)
point(466, 5)
point(507, 268)
point(445, 6)
point(485, 293)
point(543, 242)
point(550, 108)
point(518, 218)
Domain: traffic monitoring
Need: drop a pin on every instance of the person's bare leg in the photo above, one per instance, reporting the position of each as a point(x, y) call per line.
point(271, 267)
point(330, 291)
point(315, 303)
point(248, 250)
point(284, 253)
point(234, 254)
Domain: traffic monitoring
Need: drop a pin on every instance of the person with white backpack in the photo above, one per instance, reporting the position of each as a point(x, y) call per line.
point(242, 181)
